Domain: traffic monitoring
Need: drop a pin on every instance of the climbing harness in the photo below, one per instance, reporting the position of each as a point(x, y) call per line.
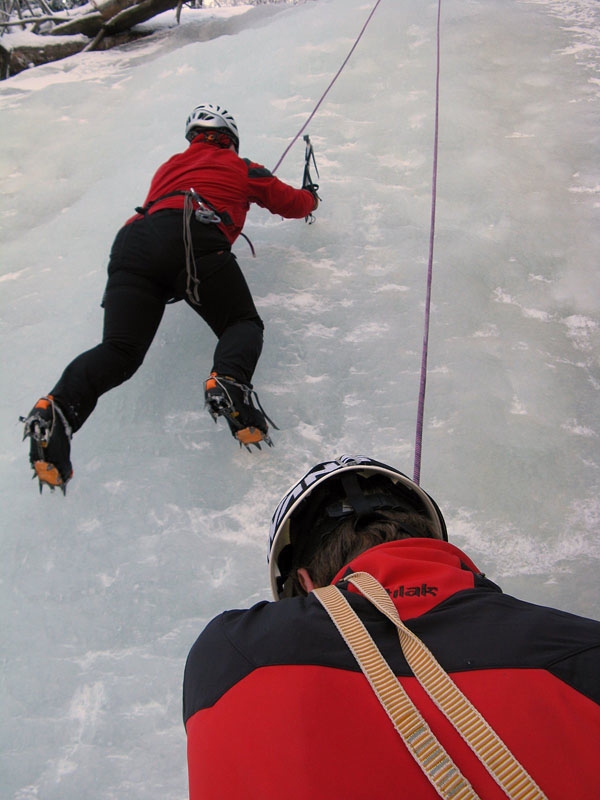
point(307, 181)
point(204, 212)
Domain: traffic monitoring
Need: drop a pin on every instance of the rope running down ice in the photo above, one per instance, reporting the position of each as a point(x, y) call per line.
point(425, 348)
point(423, 380)
point(326, 92)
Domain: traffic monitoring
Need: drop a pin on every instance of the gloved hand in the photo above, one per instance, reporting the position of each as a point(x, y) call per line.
point(313, 188)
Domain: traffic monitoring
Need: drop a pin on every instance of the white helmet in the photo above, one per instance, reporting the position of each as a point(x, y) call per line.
point(410, 497)
point(207, 115)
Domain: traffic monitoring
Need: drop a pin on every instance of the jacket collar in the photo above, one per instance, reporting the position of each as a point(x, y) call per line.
point(418, 574)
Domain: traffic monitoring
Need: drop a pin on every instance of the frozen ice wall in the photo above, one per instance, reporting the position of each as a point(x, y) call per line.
point(104, 591)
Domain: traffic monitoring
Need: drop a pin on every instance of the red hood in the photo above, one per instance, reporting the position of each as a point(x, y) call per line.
point(417, 573)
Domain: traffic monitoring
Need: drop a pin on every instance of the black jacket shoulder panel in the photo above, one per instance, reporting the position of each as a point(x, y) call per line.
point(474, 629)
point(213, 666)
point(486, 630)
point(294, 631)
point(257, 171)
point(581, 671)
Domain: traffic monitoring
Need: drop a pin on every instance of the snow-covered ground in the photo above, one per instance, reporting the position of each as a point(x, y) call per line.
point(165, 523)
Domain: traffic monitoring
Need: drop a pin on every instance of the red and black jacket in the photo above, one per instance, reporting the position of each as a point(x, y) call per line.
point(276, 706)
point(226, 181)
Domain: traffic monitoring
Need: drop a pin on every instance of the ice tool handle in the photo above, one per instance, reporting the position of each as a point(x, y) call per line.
point(307, 181)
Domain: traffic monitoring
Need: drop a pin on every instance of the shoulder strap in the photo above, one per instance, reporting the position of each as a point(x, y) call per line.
point(422, 744)
point(473, 728)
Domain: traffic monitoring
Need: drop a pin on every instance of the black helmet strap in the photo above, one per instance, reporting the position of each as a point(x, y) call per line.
point(320, 519)
point(361, 504)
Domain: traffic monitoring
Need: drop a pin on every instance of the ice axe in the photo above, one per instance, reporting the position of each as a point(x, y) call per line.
point(307, 181)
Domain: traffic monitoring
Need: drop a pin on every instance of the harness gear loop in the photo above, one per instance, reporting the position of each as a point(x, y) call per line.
point(193, 204)
point(203, 210)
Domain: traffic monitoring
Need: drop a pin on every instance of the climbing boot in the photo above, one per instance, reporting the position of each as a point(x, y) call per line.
point(225, 397)
point(50, 446)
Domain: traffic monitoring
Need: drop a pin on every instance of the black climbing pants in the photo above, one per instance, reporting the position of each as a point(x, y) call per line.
point(147, 268)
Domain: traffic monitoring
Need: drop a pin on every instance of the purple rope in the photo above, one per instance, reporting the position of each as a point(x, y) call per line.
point(423, 381)
point(326, 92)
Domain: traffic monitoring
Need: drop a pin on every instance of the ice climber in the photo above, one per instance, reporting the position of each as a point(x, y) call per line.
point(177, 246)
point(275, 702)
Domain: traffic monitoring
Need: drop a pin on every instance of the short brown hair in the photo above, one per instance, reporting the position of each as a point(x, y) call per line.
point(345, 542)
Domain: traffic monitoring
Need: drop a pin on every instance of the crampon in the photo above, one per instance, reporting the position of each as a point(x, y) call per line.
point(50, 447)
point(225, 397)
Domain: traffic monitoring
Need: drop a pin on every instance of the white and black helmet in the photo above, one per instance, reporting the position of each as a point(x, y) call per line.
point(408, 496)
point(207, 115)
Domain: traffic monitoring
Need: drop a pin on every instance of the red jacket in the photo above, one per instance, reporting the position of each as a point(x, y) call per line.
point(276, 706)
point(229, 183)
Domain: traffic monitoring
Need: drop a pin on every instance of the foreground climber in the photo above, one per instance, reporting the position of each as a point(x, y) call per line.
point(177, 246)
point(275, 702)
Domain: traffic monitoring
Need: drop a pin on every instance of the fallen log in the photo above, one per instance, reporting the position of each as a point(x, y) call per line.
point(98, 26)
point(31, 50)
point(134, 15)
point(34, 21)
point(91, 17)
